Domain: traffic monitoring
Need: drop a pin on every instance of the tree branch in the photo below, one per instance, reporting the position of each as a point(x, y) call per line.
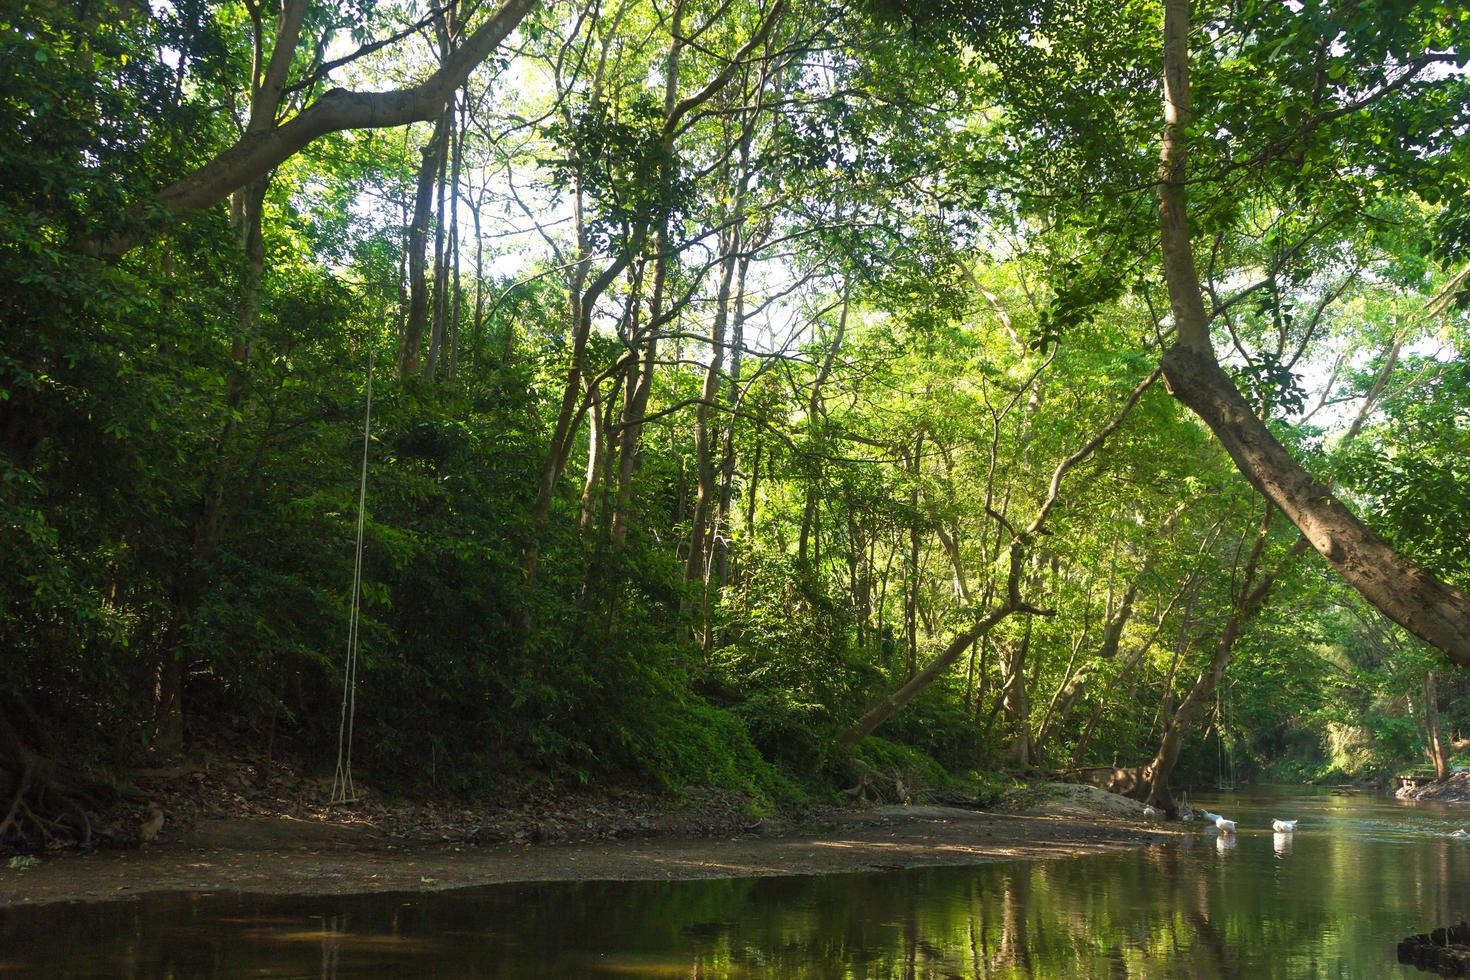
point(259, 152)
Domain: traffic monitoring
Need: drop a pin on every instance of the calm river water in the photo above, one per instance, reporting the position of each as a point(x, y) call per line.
point(1331, 901)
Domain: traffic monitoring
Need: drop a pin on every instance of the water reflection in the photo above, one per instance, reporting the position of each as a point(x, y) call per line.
point(333, 926)
point(1362, 873)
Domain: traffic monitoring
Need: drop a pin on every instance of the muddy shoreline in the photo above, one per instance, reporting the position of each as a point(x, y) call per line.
point(289, 857)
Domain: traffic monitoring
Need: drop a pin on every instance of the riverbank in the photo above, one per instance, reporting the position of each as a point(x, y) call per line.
point(1454, 788)
point(281, 856)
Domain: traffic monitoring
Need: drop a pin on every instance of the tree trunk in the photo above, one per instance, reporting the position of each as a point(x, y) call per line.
point(742, 243)
point(1434, 734)
point(951, 544)
point(657, 217)
point(478, 325)
point(696, 566)
point(635, 404)
point(720, 570)
point(412, 344)
point(168, 732)
point(1130, 665)
point(755, 484)
point(193, 576)
point(595, 452)
point(815, 433)
point(456, 304)
point(1405, 593)
point(1014, 697)
point(569, 416)
point(268, 82)
point(911, 593)
point(437, 338)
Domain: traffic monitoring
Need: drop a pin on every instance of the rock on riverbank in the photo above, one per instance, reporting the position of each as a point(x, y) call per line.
point(1078, 800)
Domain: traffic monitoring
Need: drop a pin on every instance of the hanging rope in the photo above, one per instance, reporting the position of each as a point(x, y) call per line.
point(342, 789)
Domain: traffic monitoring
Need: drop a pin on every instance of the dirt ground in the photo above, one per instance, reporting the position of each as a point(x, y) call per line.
point(280, 855)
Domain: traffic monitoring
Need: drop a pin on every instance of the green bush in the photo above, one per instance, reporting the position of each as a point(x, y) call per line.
point(683, 745)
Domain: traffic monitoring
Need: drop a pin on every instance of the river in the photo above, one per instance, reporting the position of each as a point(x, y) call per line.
point(1330, 900)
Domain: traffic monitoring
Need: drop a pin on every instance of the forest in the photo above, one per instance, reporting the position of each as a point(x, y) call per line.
point(793, 398)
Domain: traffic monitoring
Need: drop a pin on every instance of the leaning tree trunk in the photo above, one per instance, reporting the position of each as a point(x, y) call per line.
point(257, 153)
point(596, 451)
point(1154, 777)
point(1011, 602)
point(891, 704)
point(572, 409)
point(1407, 594)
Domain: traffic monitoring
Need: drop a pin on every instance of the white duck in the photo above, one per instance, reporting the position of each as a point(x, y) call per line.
point(1461, 834)
point(1225, 826)
point(1150, 814)
point(1283, 826)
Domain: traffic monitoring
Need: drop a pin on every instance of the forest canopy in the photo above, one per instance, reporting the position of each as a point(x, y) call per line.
point(759, 393)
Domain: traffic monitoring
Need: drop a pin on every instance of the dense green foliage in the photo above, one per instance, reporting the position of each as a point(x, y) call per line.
point(734, 383)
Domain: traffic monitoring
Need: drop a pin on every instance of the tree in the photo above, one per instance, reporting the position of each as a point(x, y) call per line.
point(267, 143)
point(1405, 592)
point(841, 313)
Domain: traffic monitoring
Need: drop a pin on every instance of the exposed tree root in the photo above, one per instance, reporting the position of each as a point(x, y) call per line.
point(882, 785)
point(49, 804)
point(23, 784)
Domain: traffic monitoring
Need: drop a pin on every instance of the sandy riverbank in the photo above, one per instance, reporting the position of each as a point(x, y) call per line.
point(292, 857)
